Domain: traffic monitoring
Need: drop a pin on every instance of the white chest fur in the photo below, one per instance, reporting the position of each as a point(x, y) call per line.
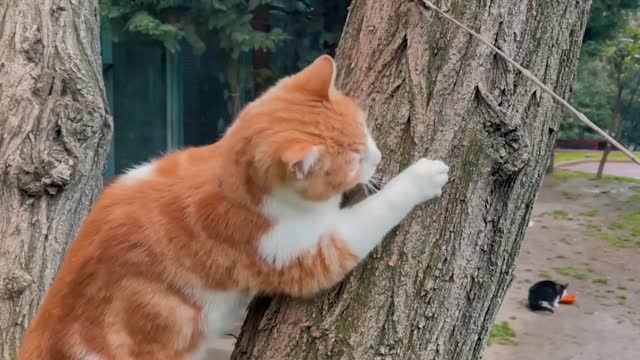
point(219, 311)
point(298, 228)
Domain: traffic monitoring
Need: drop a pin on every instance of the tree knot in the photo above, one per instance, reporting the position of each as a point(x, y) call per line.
point(508, 142)
point(13, 283)
point(49, 174)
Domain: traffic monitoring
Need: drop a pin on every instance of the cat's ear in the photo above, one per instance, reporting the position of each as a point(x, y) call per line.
point(301, 158)
point(318, 78)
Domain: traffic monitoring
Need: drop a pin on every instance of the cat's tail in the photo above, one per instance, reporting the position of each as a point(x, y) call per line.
point(541, 306)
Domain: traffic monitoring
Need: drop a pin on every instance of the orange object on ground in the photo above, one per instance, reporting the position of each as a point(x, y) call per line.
point(568, 299)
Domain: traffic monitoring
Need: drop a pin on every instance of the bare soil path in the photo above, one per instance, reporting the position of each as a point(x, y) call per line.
point(583, 234)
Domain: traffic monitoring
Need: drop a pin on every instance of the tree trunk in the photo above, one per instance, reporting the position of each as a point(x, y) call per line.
point(432, 289)
point(261, 59)
point(54, 135)
point(613, 123)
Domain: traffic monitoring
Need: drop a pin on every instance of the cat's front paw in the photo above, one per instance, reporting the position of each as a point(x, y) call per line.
point(427, 177)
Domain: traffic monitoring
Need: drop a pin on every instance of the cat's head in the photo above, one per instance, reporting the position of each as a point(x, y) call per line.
point(308, 136)
point(562, 289)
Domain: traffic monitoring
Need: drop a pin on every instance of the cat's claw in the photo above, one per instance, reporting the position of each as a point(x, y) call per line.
point(428, 177)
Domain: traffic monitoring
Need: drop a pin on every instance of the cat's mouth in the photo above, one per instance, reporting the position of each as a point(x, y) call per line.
point(361, 191)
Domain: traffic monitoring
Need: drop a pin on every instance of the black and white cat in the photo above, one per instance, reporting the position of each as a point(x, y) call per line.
point(545, 295)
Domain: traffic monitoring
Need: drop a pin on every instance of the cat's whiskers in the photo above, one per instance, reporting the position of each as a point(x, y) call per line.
point(375, 184)
point(372, 186)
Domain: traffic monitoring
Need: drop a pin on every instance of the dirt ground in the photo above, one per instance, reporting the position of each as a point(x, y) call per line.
point(569, 235)
point(572, 240)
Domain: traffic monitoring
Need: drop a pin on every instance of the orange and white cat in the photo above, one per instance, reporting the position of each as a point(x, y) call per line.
point(174, 246)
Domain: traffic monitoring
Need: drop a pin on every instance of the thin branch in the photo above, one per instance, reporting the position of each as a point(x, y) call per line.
point(429, 5)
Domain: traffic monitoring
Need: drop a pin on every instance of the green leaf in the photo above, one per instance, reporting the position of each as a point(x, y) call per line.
point(254, 4)
point(215, 5)
point(143, 23)
point(165, 4)
point(192, 37)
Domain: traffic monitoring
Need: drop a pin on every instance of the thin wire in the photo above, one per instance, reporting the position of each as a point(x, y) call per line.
point(531, 77)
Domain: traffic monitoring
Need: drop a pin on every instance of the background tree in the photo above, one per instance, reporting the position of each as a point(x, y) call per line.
point(596, 91)
point(623, 57)
point(431, 291)
point(55, 131)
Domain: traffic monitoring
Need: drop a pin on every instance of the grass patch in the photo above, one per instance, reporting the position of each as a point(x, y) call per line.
point(617, 240)
point(602, 282)
point(564, 156)
point(622, 288)
point(593, 227)
point(635, 198)
point(590, 213)
point(588, 268)
point(565, 175)
point(502, 333)
point(620, 234)
point(570, 195)
point(616, 226)
point(633, 223)
point(572, 272)
point(559, 214)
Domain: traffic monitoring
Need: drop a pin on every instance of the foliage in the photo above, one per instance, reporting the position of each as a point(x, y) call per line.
point(607, 68)
point(593, 94)
point(171, 21)
point(595, 91)
point(608, 18)
point(303, 28)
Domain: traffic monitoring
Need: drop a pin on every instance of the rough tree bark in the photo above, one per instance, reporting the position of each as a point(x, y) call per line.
point(55, 130)
point(432, 290)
